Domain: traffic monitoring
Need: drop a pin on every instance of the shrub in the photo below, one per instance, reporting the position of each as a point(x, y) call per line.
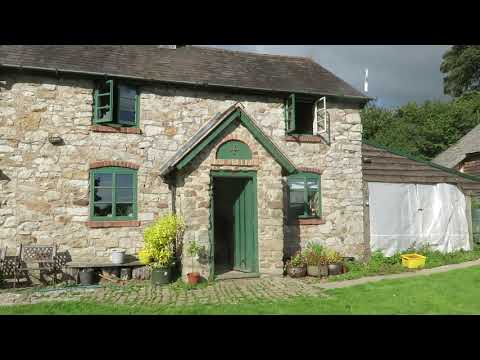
point(297, 260)
point(160, 238)
point(314, 254)
point(333, 257)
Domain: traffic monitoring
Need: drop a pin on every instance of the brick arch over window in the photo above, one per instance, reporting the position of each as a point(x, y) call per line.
point(114, 163)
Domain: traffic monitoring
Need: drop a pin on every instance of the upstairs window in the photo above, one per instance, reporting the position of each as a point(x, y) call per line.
point(307, 117)
point(116, 103)
point(113, 194)
point(304, 200)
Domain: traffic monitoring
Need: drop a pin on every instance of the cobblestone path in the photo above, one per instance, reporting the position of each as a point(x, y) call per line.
point(218, 292)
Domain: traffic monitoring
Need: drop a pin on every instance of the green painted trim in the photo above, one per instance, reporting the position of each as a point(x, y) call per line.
point(257, 134)
point(203, 144)
point(425, 162)
point(234, 149)
point(267, 144)
point(113, 105)
point(114, 171)
point(233, 174)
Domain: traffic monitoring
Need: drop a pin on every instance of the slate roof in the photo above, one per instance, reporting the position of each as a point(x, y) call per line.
point(456, 153)
point(208, 128)
point(383, 164)
point(190, 65)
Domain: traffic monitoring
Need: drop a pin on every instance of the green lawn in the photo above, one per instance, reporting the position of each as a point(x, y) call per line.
point(453, 292)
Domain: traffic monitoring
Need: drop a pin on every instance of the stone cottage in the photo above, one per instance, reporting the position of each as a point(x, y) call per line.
point(258, 153)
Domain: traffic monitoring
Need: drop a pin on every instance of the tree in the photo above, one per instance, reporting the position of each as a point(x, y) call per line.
point(461, 64)
point(422, 130)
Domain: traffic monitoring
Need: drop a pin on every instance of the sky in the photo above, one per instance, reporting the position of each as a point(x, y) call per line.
point(397, 74)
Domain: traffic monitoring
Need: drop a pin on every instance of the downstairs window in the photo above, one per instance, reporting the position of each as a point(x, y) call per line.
point(113, 194)
point(304, 198)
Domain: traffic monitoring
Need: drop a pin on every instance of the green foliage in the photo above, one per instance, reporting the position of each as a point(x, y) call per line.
point(333, 257)
point(422, 130)
point(314, 254)
point(193, 248)
point(461, 66)
point(378, 264)
point(297, 260)
point(160, 238)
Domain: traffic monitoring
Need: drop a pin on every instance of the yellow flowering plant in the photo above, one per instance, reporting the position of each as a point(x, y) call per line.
point(160, 238)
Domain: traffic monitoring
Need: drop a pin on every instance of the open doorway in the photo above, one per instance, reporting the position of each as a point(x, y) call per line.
point(234, 212)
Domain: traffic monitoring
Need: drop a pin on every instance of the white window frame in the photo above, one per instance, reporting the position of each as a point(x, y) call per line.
point(322, 102)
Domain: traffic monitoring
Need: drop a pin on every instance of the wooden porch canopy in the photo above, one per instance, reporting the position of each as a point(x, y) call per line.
point(212, 129)
point(381, 164)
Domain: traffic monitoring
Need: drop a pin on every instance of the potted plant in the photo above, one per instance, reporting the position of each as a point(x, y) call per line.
point(159, 251)
point(335, 262)
point(193, 251)
point(87, 276)
point(316, 260)
point(297, 266)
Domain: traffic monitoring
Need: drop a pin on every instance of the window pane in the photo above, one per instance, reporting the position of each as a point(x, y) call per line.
point(127, 91)
point(102, 195)
point(104, 180)
point(296, 210)
point(126, 106)
point(102, 210)
point(312, 184)
point(124, 196)
point(124, 210)
point(125, 180)
point(296, 197)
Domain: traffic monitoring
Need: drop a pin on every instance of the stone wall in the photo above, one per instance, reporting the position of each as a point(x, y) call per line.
point(44, 187)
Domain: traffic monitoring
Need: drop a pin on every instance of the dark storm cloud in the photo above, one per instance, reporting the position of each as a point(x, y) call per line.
point(397, 73)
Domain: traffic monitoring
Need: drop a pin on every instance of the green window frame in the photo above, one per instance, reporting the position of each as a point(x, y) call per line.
point(294, 123)
point(113, 191)
point(304, 196)
point(115, 102)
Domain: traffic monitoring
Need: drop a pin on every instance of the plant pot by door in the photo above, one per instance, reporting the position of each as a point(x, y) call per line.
point(313, 270)
point(87, 277)
point(193, 278)
point(296, 272)
point(323, 270)
point(161, 276)
point(335, 269)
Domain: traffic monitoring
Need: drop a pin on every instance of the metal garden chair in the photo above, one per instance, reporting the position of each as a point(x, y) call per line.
point(43, 255)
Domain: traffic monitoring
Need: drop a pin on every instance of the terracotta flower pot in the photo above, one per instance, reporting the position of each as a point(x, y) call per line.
point(193, 278)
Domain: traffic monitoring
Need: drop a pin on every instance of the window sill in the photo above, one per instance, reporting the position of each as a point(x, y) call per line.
point(308, 221)
point(304, 138)
point(112, 224)
point(110, 129)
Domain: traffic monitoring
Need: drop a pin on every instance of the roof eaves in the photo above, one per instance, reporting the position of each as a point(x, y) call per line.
point(194, 83)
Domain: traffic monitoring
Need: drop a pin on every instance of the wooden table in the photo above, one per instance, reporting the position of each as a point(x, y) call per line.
point(76, 266)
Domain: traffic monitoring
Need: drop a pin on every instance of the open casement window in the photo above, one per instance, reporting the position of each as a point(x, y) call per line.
point(104, 102)
point(304, 198)
point(113, 194)
point(116, 104)
point(290, 114)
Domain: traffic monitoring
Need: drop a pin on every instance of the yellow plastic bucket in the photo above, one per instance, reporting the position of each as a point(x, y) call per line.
point(413, 261)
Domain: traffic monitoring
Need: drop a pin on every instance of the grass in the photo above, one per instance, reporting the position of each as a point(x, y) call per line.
point(453, 292)
point(381, 265)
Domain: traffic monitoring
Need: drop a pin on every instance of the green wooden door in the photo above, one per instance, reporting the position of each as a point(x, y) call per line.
point(244, 229)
